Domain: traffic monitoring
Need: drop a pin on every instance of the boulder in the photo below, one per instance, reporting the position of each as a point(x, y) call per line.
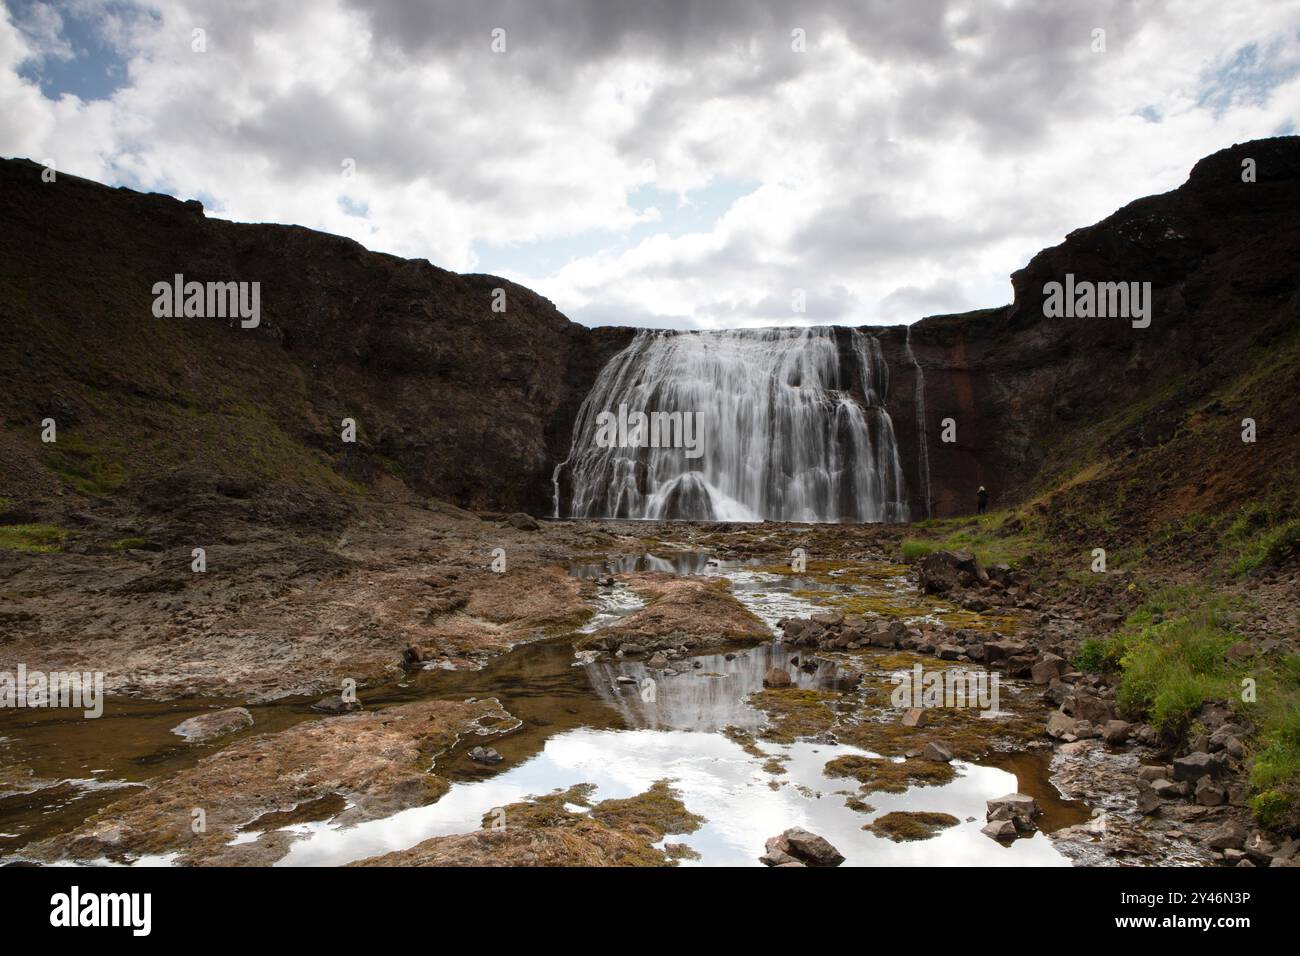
point(486, 755)
point(945, 571)
point(205, 727)
point(1089, 707)
point(1047, 668)
point(915, 717)
point(523, 522)
point(335, 705)
point(777, 677)
point(801, 846)
point(937, 752)
point(1060, 726)
point(1115, 732)
point(995, 651)
point(1194, 766)
point(1210, 794)
point(1230, 835)
point(1001, 830)
point(1013, 805)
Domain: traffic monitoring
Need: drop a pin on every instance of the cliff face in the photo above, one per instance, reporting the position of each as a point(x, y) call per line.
point(1038, 400)
point(476, 406)
point(460, 401)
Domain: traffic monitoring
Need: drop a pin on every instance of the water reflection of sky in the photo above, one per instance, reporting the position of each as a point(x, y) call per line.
point(719, 781)
point(675, 735)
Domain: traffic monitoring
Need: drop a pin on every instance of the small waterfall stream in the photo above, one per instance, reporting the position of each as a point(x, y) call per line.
point(792, 422)
point(923, 448)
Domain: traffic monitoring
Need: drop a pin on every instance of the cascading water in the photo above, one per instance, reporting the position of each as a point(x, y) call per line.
point(923, 447)
point(793, 426)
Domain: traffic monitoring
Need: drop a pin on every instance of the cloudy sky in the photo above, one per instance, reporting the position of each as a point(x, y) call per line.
point(662, 162)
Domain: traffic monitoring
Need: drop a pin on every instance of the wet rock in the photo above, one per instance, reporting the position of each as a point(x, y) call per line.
point(801, 846)
point(1013, 805)
point(523, 522)
point(658, 661)
point(777, 677)
point(485, 755)
point(937, 752)
point(1003, 831)
point(205, 727)
point(915, 717)
point(1148, 801)
point(629, 649)
point(335, 704)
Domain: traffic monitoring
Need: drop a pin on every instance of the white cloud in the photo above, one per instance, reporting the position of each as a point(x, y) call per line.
point(910, 160)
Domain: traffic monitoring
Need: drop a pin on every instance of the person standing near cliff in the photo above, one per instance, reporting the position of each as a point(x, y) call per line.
point(982, 496)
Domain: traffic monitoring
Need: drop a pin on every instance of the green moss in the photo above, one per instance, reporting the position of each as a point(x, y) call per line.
point(39, 538)
point(545, 811)
point(902, 825)
point(890, 776)
point(84, 466)
point(659, 810)
point(795, 712)
point(129, 544)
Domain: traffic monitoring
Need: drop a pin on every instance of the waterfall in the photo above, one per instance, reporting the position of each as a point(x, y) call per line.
point(922, 446)
point(793, 426)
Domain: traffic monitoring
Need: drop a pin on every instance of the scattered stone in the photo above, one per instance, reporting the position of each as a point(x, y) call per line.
point(1197, 765)
point(1049, 667)
point(205, 727)
point(1210, 794)
point(915, 717)
point(335, 705)
point(485, 755)
point(1230, 835)
point(801, 846)
point(1115, 732)
point(937, 752)
point(1060, 726)
point(777, 677)
point(1001, 830)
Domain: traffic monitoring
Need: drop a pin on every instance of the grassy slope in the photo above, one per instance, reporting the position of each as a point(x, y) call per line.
point(1201, 506)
